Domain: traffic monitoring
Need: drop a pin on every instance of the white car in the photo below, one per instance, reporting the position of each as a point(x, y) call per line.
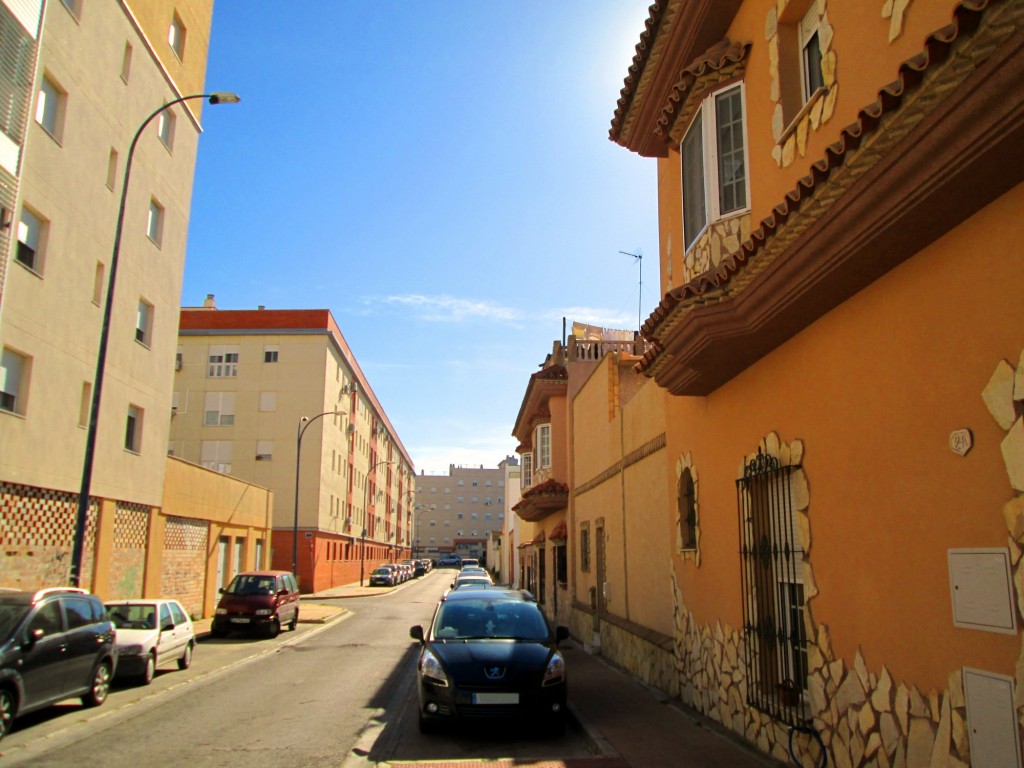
point(150, 633)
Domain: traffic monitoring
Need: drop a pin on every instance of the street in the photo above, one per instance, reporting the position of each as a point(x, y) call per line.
point(321, 695)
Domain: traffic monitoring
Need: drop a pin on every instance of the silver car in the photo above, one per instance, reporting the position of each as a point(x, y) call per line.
point(151, 633)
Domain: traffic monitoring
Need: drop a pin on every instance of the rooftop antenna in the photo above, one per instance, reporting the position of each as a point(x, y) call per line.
point(638, 257)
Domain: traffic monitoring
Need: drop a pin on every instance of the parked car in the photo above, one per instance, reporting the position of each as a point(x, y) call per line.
point(151, 633)
point(54, 644)
point(471, 581)
point(449, 561)
point(257, 601)
point(383, 576)
point(420, 568)
point(470, 561)
point(490, 653)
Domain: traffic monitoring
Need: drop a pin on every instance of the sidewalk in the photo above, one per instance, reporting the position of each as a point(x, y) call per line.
point(628, 724)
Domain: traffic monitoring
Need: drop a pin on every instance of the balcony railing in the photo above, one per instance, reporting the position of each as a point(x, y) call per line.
point(597, 349)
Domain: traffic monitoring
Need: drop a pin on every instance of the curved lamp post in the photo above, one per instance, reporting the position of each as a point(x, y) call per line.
point(78, 545)
point(304, 423)
point(362, 544)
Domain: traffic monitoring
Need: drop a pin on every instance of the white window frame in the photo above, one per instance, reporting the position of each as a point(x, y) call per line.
point(133, 429)
point(165, 125)
point(155, 221)
point(14, 376)
point(51, 101)
point(807, 32)
point(176, 36)
point(32, 235)
point(219, 409)
point(216, 455)
point(527, 470)
point(270, 353)
point(222, 362)
point(542, 446)
point(706, 123)
point(144, 323)
point(264, 450)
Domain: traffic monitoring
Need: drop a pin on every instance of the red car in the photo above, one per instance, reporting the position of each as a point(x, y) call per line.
point(257, 601)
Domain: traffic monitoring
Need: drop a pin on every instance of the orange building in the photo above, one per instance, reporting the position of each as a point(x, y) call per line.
point(837, 366)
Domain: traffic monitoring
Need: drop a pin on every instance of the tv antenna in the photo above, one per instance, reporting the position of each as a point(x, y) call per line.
point(638, 257)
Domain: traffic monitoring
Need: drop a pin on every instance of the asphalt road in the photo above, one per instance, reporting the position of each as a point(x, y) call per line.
point(340, 693)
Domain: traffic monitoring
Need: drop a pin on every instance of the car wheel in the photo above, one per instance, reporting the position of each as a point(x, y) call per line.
point(186, 658)
point(274, 628)
point(150, 670)
point(7, 706)
point(427, 726)
point(294, 622)
point(100, 685)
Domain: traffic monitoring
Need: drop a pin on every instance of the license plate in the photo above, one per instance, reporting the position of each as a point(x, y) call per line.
point(495, 698)
point(240, 621)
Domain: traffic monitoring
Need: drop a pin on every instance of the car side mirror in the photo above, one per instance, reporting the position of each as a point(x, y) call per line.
point(221, 590)
point(32, 638)
point(416, 633)
point(168, 626)
point(561, 633)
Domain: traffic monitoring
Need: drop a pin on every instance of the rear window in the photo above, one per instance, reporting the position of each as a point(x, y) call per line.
point(133, 616)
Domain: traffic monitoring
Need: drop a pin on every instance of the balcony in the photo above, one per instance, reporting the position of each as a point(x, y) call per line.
point(541, 500)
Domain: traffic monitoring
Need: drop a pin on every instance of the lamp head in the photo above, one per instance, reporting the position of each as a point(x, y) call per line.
point(224, 97)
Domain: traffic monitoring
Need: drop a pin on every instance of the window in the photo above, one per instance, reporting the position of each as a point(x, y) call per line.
point(97, 284)
point(713, 157)
point(176, 37)
point(31, 240)
point(14, 370)
point(50, 102)
point(223, 362)
point(585, 546)
point(155, 222)
point(810, 54)
point(264, 450)
point(74, 6)
point(771, 563)
point(144, 322)
point(126, 62)
point(133, 430)
point(527, 470)
point(459, 515)
point(85, 406)
point(686, 507)
point(543, 450)
point(216, 455)
point(219, 409)
point(561, 565)
point(165, 123)
point(112, 169)
point(270, 354)
point(268, 401)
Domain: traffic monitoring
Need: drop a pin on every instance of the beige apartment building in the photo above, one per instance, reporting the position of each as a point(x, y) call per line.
point(247, 384)
point(457, 513)
point(87, 76)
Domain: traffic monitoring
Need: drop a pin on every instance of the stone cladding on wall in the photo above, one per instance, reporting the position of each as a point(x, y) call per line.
point(183, 566)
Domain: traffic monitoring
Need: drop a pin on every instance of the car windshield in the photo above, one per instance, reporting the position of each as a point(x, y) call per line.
point(11, 615)
point(382, 571)
point(133, 616)
point(483, 618)
point(251, 585)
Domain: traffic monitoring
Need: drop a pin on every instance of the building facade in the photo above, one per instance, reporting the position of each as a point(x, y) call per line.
point(837, 364)
point(247, 384)
point(457, 513)
point(85, 78)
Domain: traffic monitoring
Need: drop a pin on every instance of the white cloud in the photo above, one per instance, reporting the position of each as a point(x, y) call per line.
point(606, 318)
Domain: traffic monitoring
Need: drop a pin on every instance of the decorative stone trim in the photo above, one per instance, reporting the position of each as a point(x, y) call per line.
point(894, 10)
point(721, 239)
point(1004, 398)
point(791, 140)
point(691, 554)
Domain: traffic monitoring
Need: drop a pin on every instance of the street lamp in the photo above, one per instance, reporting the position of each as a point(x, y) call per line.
point(362, 545)
point(304, 423)
point(78, 544)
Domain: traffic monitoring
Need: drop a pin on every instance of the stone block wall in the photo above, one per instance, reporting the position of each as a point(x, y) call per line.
point(183, 566)
point(128, 557)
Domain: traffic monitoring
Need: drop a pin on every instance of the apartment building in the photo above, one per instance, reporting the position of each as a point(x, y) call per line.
point(457, 512)
point(83, 79)
point(257, 390)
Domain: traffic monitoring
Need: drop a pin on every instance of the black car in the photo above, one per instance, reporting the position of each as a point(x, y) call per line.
point(489, 654)
point(54, 644)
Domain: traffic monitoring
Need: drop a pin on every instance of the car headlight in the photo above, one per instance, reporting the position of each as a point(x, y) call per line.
point(221, 611)
point(130, 650)
point(263, 612)
point(555, 671)
point(432, 671)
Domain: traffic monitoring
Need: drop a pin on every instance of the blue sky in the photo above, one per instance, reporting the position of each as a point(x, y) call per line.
point(438, 174)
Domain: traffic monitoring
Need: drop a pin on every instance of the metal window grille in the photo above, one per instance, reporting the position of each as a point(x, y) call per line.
point(771, 575)
point(687, 509)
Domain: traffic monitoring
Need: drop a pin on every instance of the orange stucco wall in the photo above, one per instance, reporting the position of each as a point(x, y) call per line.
point(873, 390)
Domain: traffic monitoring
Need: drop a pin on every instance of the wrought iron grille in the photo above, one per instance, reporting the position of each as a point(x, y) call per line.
point(771, 576)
